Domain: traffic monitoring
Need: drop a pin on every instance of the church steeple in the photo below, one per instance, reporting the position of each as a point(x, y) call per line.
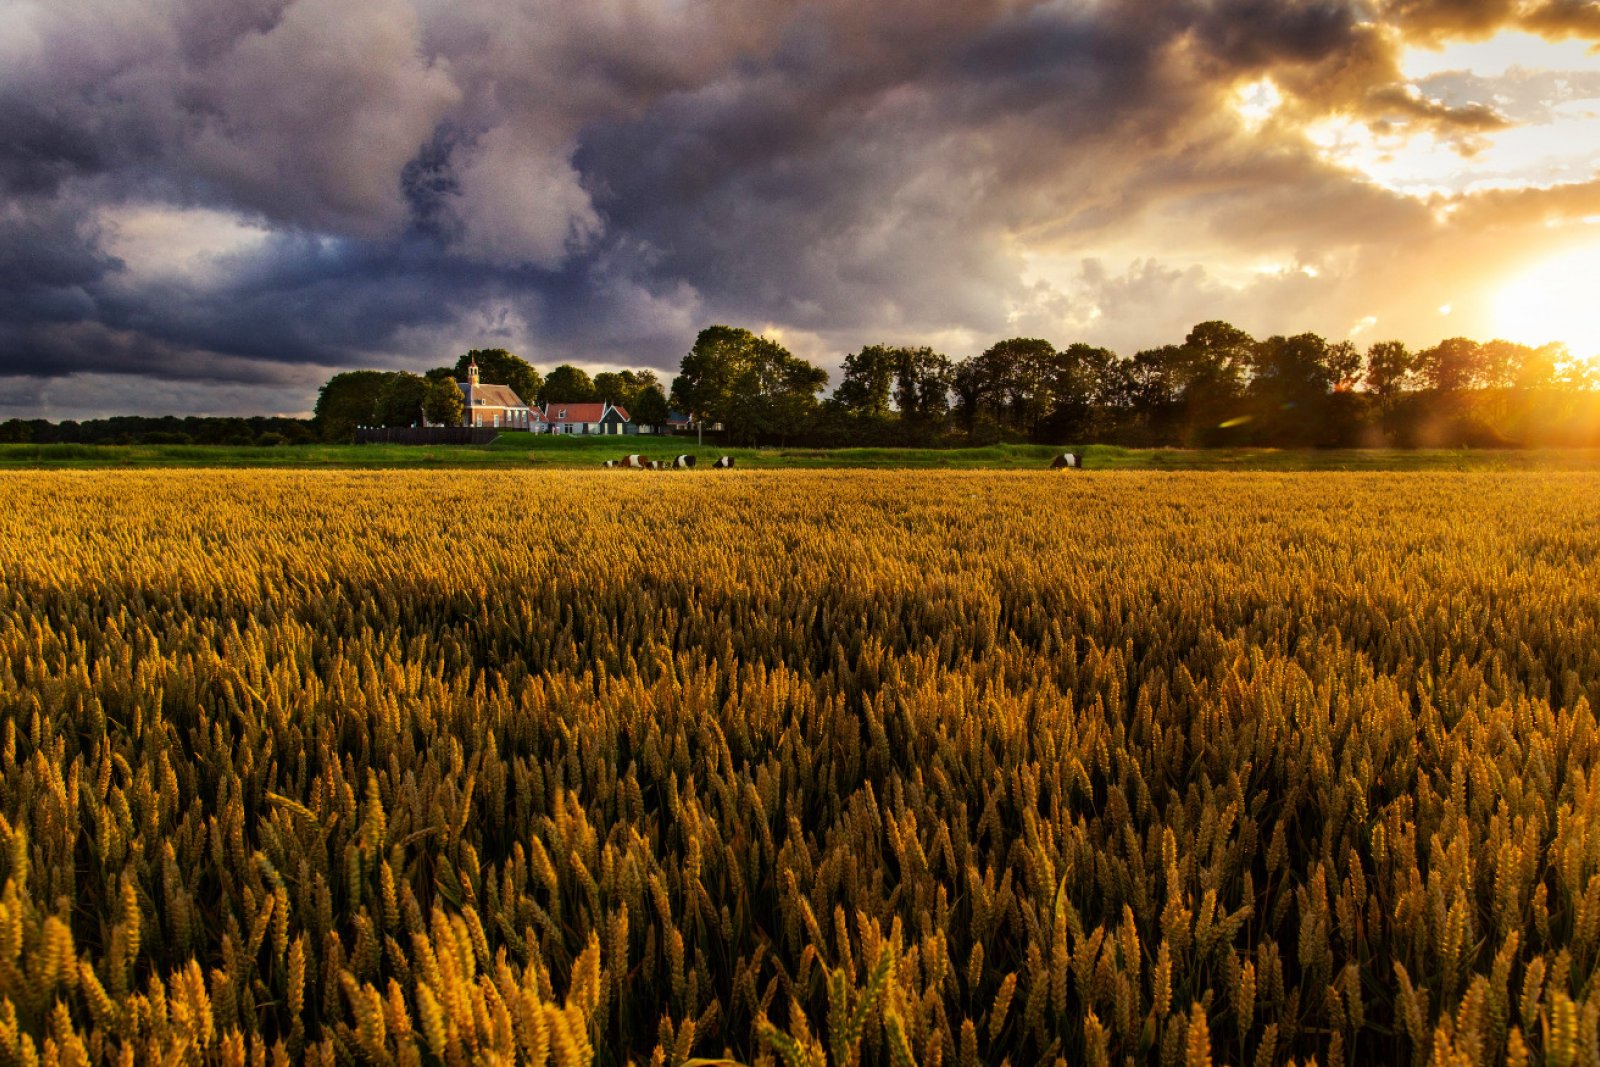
point(472, 372)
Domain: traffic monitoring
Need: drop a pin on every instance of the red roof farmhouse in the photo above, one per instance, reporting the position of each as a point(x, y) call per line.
point(499, 407)
point(602, 418)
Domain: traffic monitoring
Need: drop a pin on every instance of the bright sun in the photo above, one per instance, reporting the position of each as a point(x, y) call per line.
point(1557, 300)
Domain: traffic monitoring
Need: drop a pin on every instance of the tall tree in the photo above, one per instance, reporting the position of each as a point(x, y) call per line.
point(624, 387)
point(1452, 365)
point(496, 366)
point(922, 379)
point(1079, 392)
point(975, 387)
point(704, 386)
point(1501, 363)
point(567, 384)
point(1015, 381)
point(443, 405)
point(400, 400)
point(1157, 377)
point(649, 408)
point(867, 380)
point(1540, 367)
point(1218, 357)
point(1345, 366)
point(1390, 369)
point(1035, 377)
point(1209, 376)
point(754, 386)
point(348, 400)
point(1293, 378)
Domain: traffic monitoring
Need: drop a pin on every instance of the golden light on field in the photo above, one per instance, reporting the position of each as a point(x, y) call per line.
point(951, 767)
point(1555, 300)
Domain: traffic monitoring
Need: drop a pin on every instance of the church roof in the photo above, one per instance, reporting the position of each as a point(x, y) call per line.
point(490, 396)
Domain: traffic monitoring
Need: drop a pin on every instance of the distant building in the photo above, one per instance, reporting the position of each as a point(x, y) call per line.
point(601, 418)
point(678, 422)
point(495, 405)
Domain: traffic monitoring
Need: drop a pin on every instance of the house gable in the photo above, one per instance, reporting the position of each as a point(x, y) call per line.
point(587, 418)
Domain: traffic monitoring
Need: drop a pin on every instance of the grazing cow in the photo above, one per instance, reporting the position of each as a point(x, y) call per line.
point(683, 461)
point(610, 463)
point(634, 462)
point(723, 463)
point(1067, 461)
point(655, 465)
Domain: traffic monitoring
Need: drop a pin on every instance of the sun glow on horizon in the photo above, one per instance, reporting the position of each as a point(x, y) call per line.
point(1554, 301)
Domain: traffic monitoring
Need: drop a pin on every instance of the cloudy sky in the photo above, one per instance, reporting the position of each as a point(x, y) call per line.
point(207, 206)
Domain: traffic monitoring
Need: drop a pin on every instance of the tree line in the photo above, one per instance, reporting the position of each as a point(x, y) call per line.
point(1219, 387)
point(161, 430)
point(400, 398)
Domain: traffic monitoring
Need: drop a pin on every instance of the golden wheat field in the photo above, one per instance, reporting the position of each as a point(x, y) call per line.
point(799, 768)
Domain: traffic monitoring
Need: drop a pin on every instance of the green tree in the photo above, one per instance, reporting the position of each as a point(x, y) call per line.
point(1293, 369)
point(400, 400)
point(624, 387)
point(225, 431)
point(1502, 361)
point(1539, 368)
point(1080, 396)
point(649, 408)
point(922, 379)
point(1015, 381)
point(1209, 375)
point(1293, 379)
point(442, 403)
point(496, 366)
point(1033, 377)
point(704, 386)
point(867, 381)
point(567, 384)
point(1217, 357)
point(1452, 365)
point(1390, 369)
point(1158, 377)
point(348, 400)
point(754, 386)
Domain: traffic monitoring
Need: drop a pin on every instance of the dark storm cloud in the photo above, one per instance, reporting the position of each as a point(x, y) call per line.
point(46, 247)
point(594, 181)
point(38, 150)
